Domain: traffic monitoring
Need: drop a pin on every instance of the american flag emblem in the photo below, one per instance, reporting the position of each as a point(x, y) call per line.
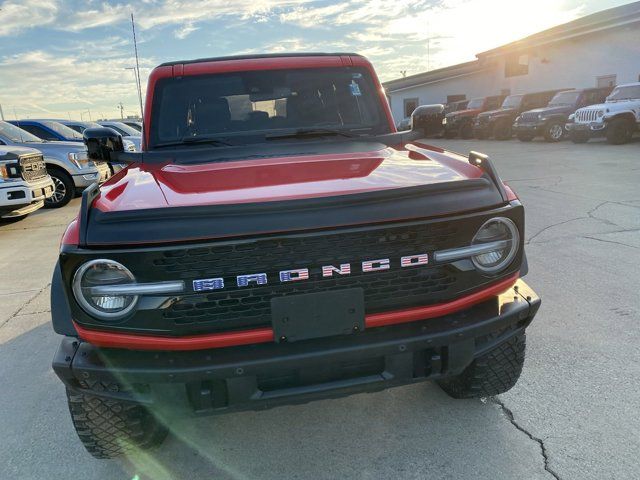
point(294, 275)
point(414, 260)
point(329, 270)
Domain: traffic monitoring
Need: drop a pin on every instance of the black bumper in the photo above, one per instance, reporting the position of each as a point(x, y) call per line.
point(535, 129)
point(261, 376)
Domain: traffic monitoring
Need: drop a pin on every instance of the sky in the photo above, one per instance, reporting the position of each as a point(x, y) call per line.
point(69, 58)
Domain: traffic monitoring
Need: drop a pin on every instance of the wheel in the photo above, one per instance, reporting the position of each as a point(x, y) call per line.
point(494, 373)
point(619, 131)
point(63, 189)
point(524, 137)
point(554, 132)
point(502, 131)
point(466, 131)
point(109, 428)
point(579, 137)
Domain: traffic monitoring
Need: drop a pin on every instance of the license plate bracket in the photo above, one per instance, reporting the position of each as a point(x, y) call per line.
point(315, 315)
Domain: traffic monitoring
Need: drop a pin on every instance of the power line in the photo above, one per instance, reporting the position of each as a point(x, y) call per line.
point(135, 47)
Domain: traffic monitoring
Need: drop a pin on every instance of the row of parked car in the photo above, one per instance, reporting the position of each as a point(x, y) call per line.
point(44, 163)
point(578, 114)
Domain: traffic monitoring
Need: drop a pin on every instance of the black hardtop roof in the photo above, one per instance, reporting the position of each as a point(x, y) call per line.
point(253, 57)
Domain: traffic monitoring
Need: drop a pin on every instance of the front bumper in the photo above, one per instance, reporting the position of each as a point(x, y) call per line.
point(535, 129)
point(101, 174)
point(265, 375)
point(24, 197)
point(593, 127)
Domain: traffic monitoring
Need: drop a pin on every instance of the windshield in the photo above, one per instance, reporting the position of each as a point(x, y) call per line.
point(251, 105)
point(475, 103)
point(62, 130)
point(123, 129)
point(624, 93)
point(512, 101)
point(564, 98)
point(18, 135)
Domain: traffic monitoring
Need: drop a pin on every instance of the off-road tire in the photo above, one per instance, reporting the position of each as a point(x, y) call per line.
point(64, 189)
point(579, 137)
point(109, 428)
point(502, 131)
point(619, 131)
point(494, 373)
point(523, 137)
point(466, 131)
point(552, 130)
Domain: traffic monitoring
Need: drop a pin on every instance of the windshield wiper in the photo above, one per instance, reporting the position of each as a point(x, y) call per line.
point(195, 140)
point(311, 132)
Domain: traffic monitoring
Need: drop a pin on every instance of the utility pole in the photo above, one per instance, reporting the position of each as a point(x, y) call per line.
point(135, 47)
point(121, 108)
point(1, 113)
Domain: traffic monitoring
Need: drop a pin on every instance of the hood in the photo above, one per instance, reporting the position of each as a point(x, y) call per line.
point(12, 152)
point(470, 112)
point(499, 111)
point(601, 106)
point(55, 147)
point(552, 110)
point(373, 167)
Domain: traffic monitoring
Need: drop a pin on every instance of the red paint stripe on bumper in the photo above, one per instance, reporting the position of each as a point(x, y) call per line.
point(264, 335)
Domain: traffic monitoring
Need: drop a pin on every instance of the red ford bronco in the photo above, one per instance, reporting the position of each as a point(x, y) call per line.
point(277, 241)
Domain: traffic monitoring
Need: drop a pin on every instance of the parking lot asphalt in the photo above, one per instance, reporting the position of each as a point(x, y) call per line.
point(573, 415)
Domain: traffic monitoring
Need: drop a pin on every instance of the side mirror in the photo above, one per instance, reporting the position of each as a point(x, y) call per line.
point(103, 144)
point(427, 119)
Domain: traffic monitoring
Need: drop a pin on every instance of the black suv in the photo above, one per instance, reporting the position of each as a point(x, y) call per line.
point(550, 121)
point(498, 123)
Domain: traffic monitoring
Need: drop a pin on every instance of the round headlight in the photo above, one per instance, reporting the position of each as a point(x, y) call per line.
point(95, 288)
point(600, 113)
point(502, 233)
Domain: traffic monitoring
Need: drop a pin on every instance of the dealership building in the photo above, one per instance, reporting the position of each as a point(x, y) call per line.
point(602, 49)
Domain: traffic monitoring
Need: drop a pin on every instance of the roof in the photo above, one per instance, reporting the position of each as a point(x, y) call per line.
point(604, 20)
point(253, 57)
point(433, 76)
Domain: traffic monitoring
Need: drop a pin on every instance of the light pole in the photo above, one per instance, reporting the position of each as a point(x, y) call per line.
point(137, 80)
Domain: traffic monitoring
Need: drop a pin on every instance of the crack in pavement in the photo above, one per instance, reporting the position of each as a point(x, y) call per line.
point(552, 226)
point(25, 305)
point(611, 241)
point(543, 449)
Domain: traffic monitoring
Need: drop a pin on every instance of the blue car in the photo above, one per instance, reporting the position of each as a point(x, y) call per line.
point(49, 130)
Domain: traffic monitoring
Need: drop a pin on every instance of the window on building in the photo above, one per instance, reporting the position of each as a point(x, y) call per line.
point(516, 65)
point(606, 81)
point(410, 104)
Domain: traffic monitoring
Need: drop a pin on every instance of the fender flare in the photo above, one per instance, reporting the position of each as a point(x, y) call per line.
point(628, 114)
point(60, 310)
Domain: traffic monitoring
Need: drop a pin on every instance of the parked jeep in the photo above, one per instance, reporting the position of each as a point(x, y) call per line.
point(549, 122)
point(498, 123)
point(461, 122)
point(278, 242)
point(24, 182)
point(67, 163)
point(429, 119)
point(618, 118)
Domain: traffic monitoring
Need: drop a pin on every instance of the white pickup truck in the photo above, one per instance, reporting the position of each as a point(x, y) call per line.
point(617, 119)
point(24, 182)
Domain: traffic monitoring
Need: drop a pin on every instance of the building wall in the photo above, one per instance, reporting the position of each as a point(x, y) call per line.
point(474, 85)
point(569, 64)
point(577, 63)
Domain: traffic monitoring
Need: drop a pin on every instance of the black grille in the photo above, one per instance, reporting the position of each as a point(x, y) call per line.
point(529, 117)
point(250, 306)
point(33, 168)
